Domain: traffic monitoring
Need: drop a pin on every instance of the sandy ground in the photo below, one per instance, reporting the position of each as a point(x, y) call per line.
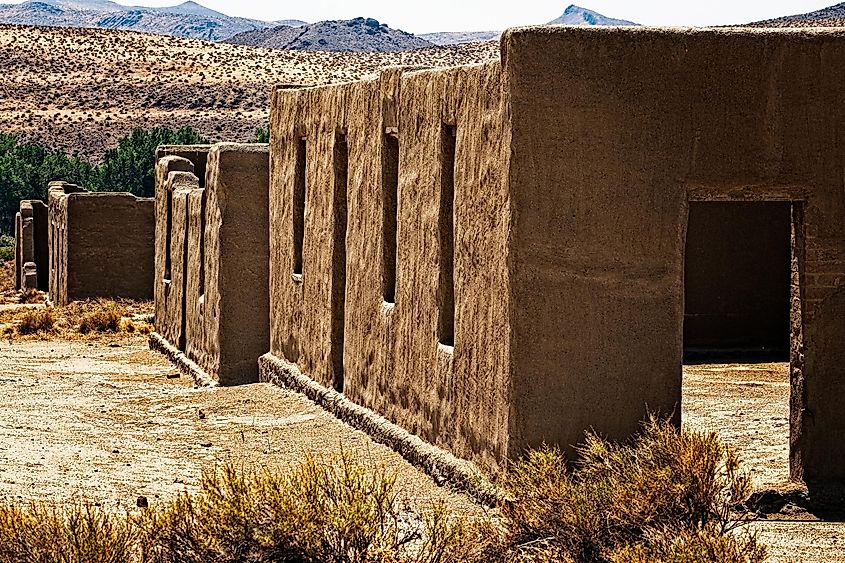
point(748, 406)
point(109, 421)
point(103, 421)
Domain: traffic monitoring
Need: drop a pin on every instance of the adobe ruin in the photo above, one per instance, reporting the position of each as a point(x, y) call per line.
point(32, 253)
point(100, 244)
point(212, 259)
point(493, 256)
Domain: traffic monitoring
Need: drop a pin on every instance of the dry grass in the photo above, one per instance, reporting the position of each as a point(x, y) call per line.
point(7, 277)
point(30, 296)
point(40, 322)
point(666, 497)
point(93, 319)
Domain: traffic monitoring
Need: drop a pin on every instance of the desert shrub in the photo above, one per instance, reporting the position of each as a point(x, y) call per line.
point(36, 321)
point(666, 496)
point(333, 511)
point(30, 296)
point(105, 317)
point(73, 533)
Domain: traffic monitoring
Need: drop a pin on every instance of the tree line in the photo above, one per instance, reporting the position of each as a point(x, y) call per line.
point(27, 168)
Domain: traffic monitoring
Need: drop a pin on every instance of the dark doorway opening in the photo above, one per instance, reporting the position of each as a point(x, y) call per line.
point(737, 282)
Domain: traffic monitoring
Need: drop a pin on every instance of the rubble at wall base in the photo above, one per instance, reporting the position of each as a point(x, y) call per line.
point(440, 465)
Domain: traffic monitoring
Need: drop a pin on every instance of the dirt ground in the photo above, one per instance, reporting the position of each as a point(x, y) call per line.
point(111, 421)
point(748, 406)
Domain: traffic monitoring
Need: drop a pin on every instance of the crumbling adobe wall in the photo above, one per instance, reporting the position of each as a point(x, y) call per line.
point(392, 357)
point(614, 132)
point(212, 300)
point(103, 245)
point(31, 246)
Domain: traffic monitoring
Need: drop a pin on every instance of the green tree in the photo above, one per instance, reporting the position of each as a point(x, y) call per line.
point(25, 171)
point(131, 166)
point(261, 135)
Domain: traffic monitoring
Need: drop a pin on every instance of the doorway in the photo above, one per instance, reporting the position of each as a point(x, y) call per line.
point(738, 287)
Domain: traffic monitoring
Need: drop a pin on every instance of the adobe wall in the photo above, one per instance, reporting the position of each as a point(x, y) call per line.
point(31, 246)
point(102, 245)
point(390, 352)
point(574, 165)
point(212, 303)
point(614, 132)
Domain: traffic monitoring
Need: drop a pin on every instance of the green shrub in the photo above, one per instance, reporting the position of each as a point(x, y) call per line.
point(261, 135)
point(27, 168)
point(7, 248)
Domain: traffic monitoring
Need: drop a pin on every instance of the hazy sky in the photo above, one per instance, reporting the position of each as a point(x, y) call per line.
point(481, 15)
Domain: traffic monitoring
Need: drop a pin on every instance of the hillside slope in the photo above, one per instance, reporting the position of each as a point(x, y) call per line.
point(356, 35)
point(189, 19)
point(576, 15)
point(83, 89)
point(833, 16)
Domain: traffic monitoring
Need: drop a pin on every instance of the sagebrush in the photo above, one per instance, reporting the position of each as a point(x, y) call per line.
point(664, 497)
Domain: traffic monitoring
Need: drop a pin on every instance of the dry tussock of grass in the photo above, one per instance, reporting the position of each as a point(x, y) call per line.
point(30, 296)
point(666, 497)
point(7, 277)
point(37, 321)
point(92, 319)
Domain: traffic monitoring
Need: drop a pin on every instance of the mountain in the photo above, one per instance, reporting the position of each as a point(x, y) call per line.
point(356, 35)
point(575, 15)
point(833, 16)
point(459, 37)
point(190, 20)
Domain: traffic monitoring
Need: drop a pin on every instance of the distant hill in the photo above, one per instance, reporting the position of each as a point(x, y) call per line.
point(459, 37)
point(356, 35)
point(576, 15)
point(833, 16)
point(190, 20)
point(573, 15)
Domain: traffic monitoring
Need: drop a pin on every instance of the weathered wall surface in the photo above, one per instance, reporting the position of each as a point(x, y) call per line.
point(31, 246)
point(103, 245)
point(613, 133)
point(169, 241)
point(212, 256)
point(392, 359)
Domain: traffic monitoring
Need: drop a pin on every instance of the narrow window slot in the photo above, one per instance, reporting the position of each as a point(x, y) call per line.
point(446, 290)
point(202, 245)
point(390, 187)
point(341, 177)
point(168, 274)
point(299, 206)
